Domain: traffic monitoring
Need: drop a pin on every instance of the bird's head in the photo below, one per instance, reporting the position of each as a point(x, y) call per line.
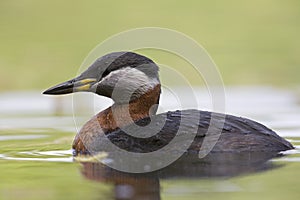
point(122, 76)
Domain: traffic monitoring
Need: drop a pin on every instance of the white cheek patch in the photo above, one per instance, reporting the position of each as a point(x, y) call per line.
point(129, 83)
point(129, 77)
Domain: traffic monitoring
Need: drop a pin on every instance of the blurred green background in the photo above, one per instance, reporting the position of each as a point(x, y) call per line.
point(252, 42)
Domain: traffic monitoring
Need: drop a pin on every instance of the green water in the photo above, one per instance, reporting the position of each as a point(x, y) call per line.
point(62, 179)
point(36, 160)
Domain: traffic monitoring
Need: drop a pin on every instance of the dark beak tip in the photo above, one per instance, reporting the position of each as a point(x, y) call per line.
point(69, 87)
point(59, 90)
point(46, 92)
point(49, 92)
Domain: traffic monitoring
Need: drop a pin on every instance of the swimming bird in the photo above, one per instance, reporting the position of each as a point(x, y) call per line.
point(132, 81)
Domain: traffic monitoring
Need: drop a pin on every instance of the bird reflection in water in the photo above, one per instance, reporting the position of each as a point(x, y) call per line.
point(189, 166)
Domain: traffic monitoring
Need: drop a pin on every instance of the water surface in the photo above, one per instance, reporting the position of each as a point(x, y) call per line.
point(36, 161)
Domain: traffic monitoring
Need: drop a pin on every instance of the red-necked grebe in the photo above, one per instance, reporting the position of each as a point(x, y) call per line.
point(132, 81)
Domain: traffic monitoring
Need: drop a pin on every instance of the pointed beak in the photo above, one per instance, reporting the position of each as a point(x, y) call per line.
point(71, 86)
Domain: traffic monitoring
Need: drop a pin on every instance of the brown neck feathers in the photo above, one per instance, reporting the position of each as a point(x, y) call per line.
point(119, 115)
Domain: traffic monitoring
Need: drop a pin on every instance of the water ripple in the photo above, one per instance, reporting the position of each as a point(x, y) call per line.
point(53, 156)
point(21, 137)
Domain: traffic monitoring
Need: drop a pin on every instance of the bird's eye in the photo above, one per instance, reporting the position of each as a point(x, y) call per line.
point(105, 73)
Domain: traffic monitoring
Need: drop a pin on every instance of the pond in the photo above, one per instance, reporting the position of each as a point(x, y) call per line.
point(36, 160)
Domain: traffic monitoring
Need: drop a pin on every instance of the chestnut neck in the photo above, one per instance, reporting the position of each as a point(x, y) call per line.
point(120, 115)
